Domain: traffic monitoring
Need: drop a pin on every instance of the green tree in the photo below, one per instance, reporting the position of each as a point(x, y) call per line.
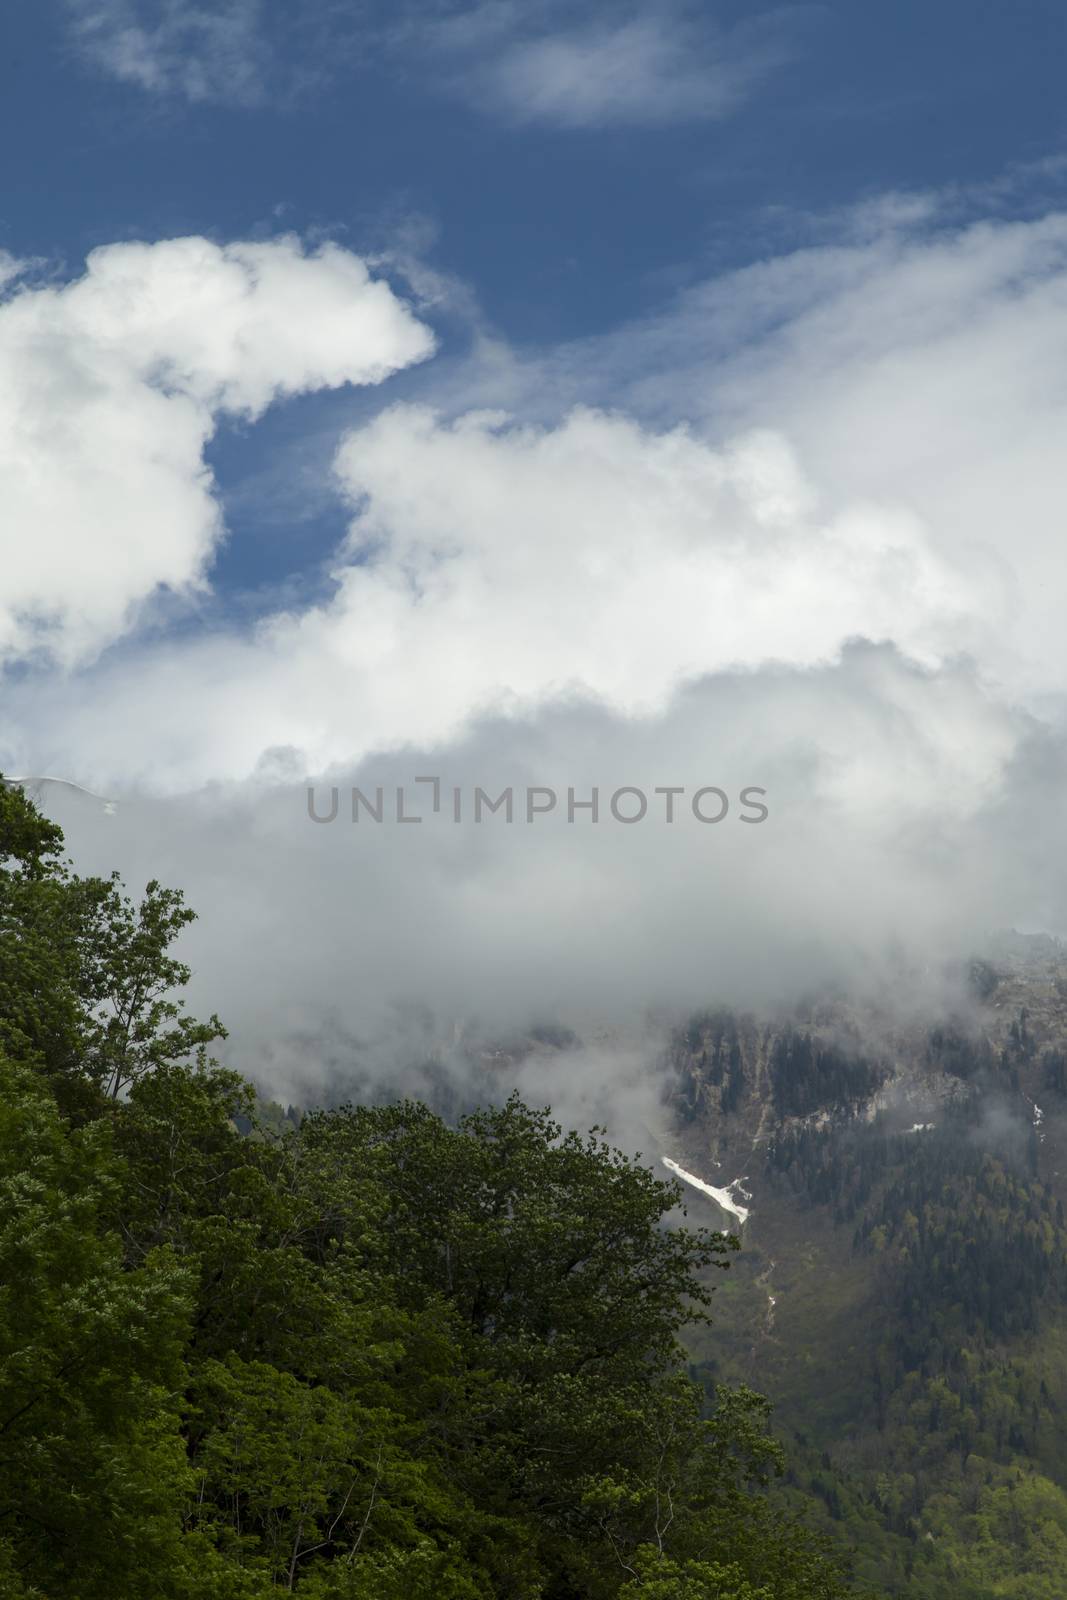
point(92, 1469)
point(89, 989)
point(363, 1356)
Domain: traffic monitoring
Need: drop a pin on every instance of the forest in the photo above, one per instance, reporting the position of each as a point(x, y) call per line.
point(919, 1269)
point(362, 1353)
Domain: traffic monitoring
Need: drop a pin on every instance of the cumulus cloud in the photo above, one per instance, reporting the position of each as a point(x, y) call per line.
point(812, 545)
point(938, 376)
point(495, 567)
point(111, 386)
point(920, 365)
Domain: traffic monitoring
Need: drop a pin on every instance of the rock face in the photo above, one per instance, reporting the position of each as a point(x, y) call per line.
point(739, 1084)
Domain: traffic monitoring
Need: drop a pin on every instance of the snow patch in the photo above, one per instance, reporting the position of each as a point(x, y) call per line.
point(722, 1197)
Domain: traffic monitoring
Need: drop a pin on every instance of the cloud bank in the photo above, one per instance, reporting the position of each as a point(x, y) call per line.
point(814, 545)
point(492, 567)
point(363, 948)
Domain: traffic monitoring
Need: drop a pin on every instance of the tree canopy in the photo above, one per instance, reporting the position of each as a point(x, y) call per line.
point(371, 1357)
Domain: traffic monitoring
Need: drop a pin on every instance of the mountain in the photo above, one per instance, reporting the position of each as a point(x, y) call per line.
point(896, 1171)
point(898, 1177)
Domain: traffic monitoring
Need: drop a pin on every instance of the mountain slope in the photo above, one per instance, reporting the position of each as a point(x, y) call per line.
point(901, 1293)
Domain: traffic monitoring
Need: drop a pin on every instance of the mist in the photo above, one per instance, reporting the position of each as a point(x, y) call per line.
point(363, 957)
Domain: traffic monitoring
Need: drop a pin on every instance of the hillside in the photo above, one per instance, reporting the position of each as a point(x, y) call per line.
point(896, 1172)
point(901, 1292)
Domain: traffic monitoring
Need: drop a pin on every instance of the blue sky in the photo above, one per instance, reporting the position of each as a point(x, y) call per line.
point(680, 387)
point(558, 229)
point(361, 124)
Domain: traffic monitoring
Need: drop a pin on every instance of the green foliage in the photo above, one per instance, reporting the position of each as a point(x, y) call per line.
point(134, 1024)
point(808, 1075)
point(927, 1374)
point(91, 1461)
point(362, 1356)
point(87, 982)
point(41, 927)
point(657, 1578)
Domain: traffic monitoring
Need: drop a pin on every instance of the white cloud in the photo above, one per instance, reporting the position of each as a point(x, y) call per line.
point(651, 62)
point(110, 387)
point(354, 947)
point(919, 368)
point(639, 64)
point(657, 64)
point(492, 567)
point(201, 52)
point(861, 440)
